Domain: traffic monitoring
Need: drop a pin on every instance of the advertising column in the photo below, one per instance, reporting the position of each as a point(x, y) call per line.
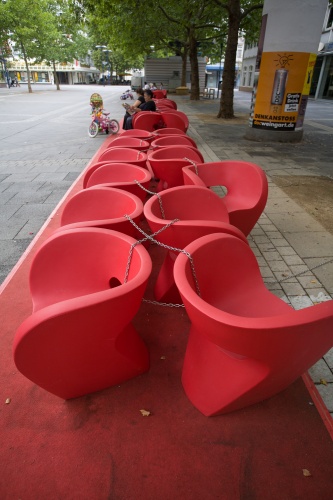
point(288, 44)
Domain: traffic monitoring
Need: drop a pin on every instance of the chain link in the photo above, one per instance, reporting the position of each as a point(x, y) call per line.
point(153, 193)
point(195, 165)
point(163, 245)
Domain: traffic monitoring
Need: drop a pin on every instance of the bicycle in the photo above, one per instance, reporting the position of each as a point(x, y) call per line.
point(102, 123)
point(127, 94)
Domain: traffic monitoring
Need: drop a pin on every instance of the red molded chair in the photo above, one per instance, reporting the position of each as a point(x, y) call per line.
point(140, 134)
point(158, 94)
point(170, 102)
point(110, 175)
point(129, 142)
point(172, 122)
point(103, 207)
point(246, 184)
point(147, 120)
point(124, 155)
point(79, 338)
point(167, 131)
point(245, 344)
point(200, 211)
point(173, 140)
point(167, 164)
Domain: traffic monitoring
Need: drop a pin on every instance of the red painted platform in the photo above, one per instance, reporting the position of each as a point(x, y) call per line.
point(101, 447)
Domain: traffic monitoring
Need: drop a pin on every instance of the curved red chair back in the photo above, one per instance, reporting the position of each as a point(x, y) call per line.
point(172, 120)
point(245, 343)
point(200, 211)
point(173, 140)
point(147, 120)
point(102, 207)
point(170, 102)
point(124, 155)
point(110, 175)
point(245, 182)
point(180, 114)
point(167, 164)
point(99, 164)
point(79, 338)
point(140, 134)
point(158, 94)
point(129, 142)
point(167, 131)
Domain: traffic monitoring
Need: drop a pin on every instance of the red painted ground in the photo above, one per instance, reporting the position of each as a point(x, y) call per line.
point(101, 447)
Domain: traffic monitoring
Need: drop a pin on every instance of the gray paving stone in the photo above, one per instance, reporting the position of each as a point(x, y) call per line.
point(295, 223)
point(300, 302)
point(320, 371)
point(293, 289)
point(311, 244)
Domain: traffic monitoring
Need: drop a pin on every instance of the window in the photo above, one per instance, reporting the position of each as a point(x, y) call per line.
point(244, 76)
point(250, 83)
point(329, 24)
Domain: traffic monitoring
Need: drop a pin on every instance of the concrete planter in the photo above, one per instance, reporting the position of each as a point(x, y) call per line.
point(182, 90)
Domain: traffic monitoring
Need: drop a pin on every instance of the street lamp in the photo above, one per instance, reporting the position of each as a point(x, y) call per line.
point(107, 51)
point(101, 47)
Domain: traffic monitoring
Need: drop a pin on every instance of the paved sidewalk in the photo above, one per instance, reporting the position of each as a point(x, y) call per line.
point(294, 251)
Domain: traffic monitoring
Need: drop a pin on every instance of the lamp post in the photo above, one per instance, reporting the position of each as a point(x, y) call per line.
point(101, 47)
point(107, 51)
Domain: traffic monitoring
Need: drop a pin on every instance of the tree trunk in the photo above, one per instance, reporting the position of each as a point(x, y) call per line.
point(195, 91)
point(229, 73)
point(184, 60)
point(27, 66)
point(56, 79)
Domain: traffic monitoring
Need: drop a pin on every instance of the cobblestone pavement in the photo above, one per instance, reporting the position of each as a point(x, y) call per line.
point(44, 147)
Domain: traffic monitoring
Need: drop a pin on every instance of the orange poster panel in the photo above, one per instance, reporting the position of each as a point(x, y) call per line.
point(282, 80)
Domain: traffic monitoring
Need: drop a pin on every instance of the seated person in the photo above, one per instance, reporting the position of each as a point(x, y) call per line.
point(148, 105)
point(140, 100)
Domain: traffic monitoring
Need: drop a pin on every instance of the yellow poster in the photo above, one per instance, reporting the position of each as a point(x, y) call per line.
point(283, 79)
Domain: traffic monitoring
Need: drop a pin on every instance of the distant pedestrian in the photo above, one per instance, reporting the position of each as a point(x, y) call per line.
point(161, 86)
point(146, 86)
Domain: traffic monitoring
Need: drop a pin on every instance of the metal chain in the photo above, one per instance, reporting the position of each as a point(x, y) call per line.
point(146, 238)
point(195, 165)
point(159, 243)
point(153, 193)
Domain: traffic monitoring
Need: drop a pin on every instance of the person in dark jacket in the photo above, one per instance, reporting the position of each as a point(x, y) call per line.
point(148, 105)
point(129, 109)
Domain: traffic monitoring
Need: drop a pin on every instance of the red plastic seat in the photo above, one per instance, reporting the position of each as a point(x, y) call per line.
point(130, 142)
point(140, 134)
point(147, 120)
point(110, 175)
point(246, 184)
point(170, 102)
point(176, 119)
point(158, 94)
point(79, 338)
point(200, 211)
point(245, 344)
point(124, 155)
point(167, 131)
point(103, 207)
point(173, 140)
point(167, 164)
